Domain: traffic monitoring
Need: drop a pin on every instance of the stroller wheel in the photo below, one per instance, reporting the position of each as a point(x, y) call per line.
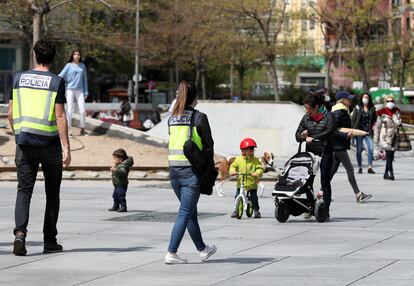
point(321, 211)
point(239, 207)
point(282, 211)
point(249, 211)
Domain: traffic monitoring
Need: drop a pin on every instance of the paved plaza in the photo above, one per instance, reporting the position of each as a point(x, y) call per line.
point(363, 244)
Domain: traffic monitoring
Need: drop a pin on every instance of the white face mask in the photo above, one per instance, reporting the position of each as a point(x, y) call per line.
point(327, 98)
point(390, 105)
point(365, 100)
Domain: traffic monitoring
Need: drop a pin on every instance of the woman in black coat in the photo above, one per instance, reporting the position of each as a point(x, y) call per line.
point(342, 142)
point(318, 123)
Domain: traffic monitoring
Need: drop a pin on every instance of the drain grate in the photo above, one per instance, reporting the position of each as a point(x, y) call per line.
point(154, 216)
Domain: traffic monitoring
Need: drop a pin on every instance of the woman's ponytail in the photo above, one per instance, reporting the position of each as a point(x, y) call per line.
point(187, 93)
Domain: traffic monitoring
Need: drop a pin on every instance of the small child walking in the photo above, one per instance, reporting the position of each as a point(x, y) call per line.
point(120, 170)
point(247, 163)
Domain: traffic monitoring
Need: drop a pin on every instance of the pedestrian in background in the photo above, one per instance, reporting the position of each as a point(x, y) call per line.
point(126, 112)
point(364, 118)
point(38, 119)
point(76, 80)
point(385, 133)
point(185, 178)
point(342, 142)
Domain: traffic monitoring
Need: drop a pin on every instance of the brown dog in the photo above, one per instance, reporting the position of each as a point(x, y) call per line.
point(267, 161)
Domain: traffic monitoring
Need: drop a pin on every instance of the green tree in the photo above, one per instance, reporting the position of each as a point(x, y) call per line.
point(332, 18)
point(267, 19)
point(240, 48)
point(32, 14)
point(402, 48)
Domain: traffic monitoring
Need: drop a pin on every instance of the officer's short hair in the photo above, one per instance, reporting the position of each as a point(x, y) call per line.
point(45, 51)
point(120, 153)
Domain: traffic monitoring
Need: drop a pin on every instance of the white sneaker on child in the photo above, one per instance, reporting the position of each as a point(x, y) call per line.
point(208, 251)
point(173, 258)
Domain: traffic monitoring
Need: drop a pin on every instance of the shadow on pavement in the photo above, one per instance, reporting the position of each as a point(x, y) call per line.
point(242, 260)
point(28, 243)
point(109, 249)
point(334, 219)
point(340, 219)
point(4, 140)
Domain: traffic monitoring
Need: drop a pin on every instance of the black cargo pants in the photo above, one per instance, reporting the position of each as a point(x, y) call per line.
point(27, 162)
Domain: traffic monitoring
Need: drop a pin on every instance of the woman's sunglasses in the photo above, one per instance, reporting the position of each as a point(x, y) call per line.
point(390, 100)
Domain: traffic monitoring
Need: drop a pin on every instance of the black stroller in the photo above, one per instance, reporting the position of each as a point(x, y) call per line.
point(293, 193)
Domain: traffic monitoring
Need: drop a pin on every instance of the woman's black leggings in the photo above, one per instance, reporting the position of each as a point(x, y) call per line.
point(390, 158)
point(326, 166)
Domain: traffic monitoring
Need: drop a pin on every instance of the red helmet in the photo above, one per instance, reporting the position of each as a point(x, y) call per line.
point(247, 143)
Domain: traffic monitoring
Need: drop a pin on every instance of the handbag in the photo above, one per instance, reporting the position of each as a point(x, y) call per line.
point(198, 159)
point(403, 142)
point(208, 179)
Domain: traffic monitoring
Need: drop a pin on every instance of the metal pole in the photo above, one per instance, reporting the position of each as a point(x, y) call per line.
point(231, 81)
point(136, 56)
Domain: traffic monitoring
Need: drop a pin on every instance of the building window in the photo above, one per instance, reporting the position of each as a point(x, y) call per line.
point(304, 25)
point(312, 23)
point(286, 24)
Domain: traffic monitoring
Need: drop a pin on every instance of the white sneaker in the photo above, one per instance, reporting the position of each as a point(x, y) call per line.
point(70, 133)
point(208, 251)
point(173, 258)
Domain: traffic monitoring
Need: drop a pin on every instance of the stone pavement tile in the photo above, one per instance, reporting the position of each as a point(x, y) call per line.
point(194, 273)
point(399, 246)
point(323, 243)
point(399, 273)
point(236, 238)
point(296, 271)
point(76, 266)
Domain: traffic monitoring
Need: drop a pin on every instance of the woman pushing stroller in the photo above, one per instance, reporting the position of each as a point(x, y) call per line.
point(318, 123)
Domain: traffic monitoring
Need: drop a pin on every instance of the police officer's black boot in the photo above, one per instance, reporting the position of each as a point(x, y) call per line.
point(19, 245)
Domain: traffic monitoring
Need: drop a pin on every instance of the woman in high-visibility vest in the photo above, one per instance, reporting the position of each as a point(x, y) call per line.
point(185, 179)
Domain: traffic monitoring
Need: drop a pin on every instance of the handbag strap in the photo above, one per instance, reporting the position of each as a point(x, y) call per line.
point(190, 130)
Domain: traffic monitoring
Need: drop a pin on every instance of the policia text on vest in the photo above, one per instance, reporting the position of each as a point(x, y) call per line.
point(181, 129)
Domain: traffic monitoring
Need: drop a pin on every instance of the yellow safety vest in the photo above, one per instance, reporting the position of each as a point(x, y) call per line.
point(179, 129)
point(34, 108)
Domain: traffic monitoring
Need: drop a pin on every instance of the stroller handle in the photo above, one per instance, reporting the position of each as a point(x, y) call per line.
point(300, 144)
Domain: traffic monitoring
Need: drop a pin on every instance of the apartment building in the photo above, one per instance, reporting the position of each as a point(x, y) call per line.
point(400, 18)
point(302, 27)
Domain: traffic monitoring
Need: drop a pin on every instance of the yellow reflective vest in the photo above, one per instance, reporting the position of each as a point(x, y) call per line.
point(34, 96)
point(179, 130)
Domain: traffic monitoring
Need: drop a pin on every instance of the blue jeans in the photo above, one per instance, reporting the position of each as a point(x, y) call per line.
point(119, 196)
point(188, 193)
point(370, 147)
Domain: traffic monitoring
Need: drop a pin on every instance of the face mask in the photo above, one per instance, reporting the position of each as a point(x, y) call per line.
point(365, 100)
point(327, 98)
point(390, 105)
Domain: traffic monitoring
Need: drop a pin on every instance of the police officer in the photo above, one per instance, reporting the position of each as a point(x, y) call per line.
point(185, 178)
point(37, 117)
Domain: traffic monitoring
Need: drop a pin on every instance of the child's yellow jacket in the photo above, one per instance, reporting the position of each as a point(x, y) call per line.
point(247, 165)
